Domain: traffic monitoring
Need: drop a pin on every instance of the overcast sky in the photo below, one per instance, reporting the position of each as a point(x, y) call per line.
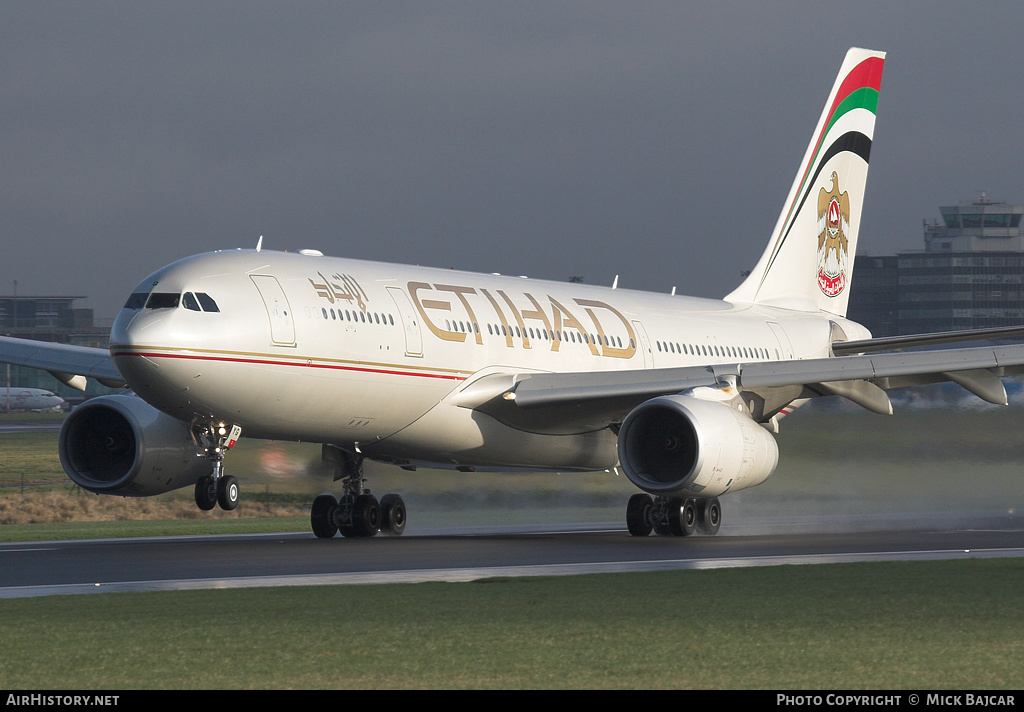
point(653, 140)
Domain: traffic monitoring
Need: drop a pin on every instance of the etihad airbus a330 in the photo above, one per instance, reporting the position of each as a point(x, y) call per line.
point(438, 368)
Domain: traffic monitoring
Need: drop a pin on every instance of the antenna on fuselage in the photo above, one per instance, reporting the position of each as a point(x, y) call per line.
point(259, 243)
point(615, 282)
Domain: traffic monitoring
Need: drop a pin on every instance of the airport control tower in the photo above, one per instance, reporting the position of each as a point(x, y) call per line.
point(981, 226)
point(969, 276)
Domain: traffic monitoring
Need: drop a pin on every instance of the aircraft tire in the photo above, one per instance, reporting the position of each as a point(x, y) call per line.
point(682, 516)
point(709, 515)
point(321, 516)
point(205, 493)
point(638, 514)
point(393, 514)
point(227, 493)
point(366, 515)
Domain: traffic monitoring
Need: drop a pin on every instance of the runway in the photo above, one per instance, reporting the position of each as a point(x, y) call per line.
point(29, 426)
point(463, 554)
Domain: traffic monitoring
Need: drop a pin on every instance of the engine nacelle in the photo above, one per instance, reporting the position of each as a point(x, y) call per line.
point(122, 445)
point(680, 445)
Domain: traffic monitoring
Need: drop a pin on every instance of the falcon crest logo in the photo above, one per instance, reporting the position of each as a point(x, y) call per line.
point(833, 246)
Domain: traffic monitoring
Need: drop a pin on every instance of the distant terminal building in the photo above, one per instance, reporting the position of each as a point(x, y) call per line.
point(49, 319)
point(969, 276)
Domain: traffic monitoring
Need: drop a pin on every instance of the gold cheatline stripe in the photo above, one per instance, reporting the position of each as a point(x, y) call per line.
point(285, 357)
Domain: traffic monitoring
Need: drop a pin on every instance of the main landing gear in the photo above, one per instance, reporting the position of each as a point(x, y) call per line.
point(672, 516)
point(217, 488)
point(356, 513)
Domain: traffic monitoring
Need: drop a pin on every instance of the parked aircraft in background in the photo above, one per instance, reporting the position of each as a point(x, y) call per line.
point(22, 399)
point(438, 368)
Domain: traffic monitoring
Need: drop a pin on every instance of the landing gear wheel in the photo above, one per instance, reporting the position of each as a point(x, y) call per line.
point(709, 515)
point(392, 510)
point(366, 515)
point(322, 516)
point(206, 493)
point(216, 438)
point(638, 514)
point(227, 492)
point(682, 516)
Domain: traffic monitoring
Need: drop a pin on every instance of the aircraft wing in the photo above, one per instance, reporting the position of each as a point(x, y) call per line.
point(69, 364)
point(894, 343)
point(571, 402)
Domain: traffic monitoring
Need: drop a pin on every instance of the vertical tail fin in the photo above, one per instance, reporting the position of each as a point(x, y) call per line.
point(808, 263)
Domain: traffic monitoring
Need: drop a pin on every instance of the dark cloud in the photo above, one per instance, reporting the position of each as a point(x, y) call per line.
point(648, 139)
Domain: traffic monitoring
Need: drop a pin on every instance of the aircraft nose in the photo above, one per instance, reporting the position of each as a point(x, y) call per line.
point(134, 339)
point(121, 333)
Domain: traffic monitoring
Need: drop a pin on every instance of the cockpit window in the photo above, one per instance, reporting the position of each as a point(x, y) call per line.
point(136, 301)
point(207, 302)
point(200, 301)
point(162, 300)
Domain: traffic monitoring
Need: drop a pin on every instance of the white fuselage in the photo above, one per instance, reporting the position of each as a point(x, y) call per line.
point(28, 399)
point(368, 355)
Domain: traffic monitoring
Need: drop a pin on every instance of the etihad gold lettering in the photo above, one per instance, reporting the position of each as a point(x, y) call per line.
point(529, 321)
point(344, 288)
point(506, 330)
point(569, 321)
point(609, 349)
point(422, 306)
point(534, 314)
point(518, 317)
point(461, 293)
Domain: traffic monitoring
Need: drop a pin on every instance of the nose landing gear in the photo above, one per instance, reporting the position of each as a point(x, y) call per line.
point(217, 488)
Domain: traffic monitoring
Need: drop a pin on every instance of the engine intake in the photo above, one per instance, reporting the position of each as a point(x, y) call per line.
point(687, 446)
point(121, 445)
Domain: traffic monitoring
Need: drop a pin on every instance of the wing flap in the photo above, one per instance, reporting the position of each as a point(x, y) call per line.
point(572, 402)
point(547, 389)
point(898, 365)
point(893, 343)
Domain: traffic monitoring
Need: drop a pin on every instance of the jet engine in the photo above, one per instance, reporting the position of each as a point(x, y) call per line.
point(122, 445)
point(683, 446)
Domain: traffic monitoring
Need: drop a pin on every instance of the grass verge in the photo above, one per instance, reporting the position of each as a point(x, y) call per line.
point(927, 625)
